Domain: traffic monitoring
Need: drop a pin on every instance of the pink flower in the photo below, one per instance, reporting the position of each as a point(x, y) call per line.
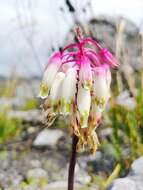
point(77, 82)
point(85, 74)
point(108, 58)
point(50, 72)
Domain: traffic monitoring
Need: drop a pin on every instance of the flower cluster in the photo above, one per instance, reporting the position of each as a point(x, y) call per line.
point(76, 82)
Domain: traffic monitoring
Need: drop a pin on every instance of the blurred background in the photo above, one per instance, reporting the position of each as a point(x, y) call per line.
point(33, 157)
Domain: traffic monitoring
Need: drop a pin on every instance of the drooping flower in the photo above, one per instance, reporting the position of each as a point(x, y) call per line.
point(77, 82)
point(108, 58)
point(55, 91)
point(101, 86)
point(85, 73)
point(51, 70)
point(68, 90)
point(83, 105)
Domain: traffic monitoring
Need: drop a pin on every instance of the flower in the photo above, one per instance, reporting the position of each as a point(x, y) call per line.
point(83, 105)
point(76, 82)
point(49, 75)
point(108, 58)
point(68, 90)
point(85, 74)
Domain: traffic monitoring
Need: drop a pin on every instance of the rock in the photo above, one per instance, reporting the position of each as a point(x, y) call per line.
point(123, 184)
point(33, 117)
point(137, 167)
point(138, 179)
point(134, 180)
point(35, 163)
point(48, 138)
point(81, 176)
point(124, 99)
point(37, 173)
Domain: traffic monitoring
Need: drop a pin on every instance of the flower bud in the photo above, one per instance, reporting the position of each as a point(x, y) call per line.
point(108, 58)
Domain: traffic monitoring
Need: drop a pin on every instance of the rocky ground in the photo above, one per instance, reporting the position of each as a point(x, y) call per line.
point(44, 166)
point(45, 162)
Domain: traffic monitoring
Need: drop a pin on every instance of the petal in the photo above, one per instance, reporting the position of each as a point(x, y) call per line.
point(69, 90)
point(55, 92)
point(83, 104)
point(100, 86)
point(107, 72)
point(85, 73)
point(50, 72)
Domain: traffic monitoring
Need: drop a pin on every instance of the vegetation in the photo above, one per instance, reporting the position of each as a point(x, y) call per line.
point(9, 127)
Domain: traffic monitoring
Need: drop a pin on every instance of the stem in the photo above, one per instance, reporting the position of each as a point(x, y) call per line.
point(72, 163)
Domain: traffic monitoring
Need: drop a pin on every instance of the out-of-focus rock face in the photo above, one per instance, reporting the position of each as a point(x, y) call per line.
point(117, 34)
point(134, 180)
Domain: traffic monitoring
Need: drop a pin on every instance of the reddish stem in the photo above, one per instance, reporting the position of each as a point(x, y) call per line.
point(72, 163)
point(70, 46)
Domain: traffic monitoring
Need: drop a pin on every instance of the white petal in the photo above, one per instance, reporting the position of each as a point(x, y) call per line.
point(101, 88)
point(69, 89)
point(49, 76)
point(83, 103)
point(56, 87)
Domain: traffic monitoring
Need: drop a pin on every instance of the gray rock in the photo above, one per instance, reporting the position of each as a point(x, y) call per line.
point(35, 163)
point(48, 138)
point(134, 180)
point(138, 180)
point(137, 167)
point(124, 99)
point(81, 176)
point(36, 173)
point(123, 184)
point(32, 116)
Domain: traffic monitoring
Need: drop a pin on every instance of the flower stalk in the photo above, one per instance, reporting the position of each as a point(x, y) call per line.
point(72, 163)
point(76, 82)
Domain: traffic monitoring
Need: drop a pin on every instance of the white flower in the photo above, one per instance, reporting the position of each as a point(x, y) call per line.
point(83, 104)
point(101, 86)
point(55, 92)
point(49, 74)
point(69, 90)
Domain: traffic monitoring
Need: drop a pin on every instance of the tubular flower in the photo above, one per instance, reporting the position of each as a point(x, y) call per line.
point(55, 92)
point(101, 85)
point(76, 82)
point(85, 73)
point(51, 70)
point(68, 90)
point(108, 58)
point(83, 105)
